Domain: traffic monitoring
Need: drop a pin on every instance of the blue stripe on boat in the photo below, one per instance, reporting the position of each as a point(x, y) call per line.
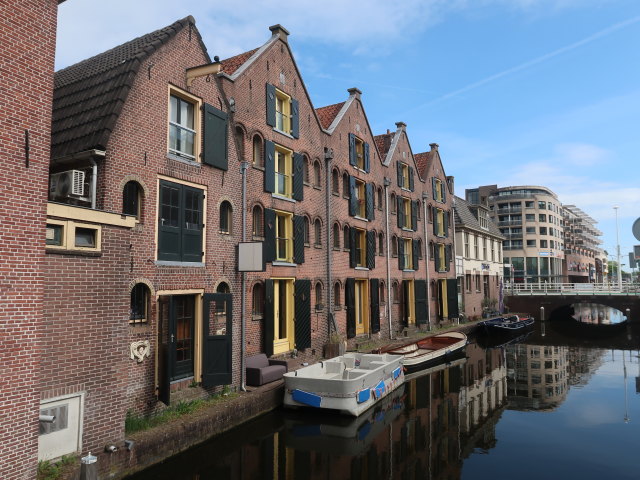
point(396, 372)
point(306, 398)
point(363, 395)
point(379, 388)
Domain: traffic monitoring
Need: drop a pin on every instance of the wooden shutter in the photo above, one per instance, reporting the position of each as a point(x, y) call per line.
point(295, 119)
point(268, 326)
point(434, 214)
point(400, 211)
point(192, 231)
point(443, 185)
point(166, 325)
point(433, 188)
point(411, 180)
point(269, 166)
point(371, 247)
point(414, 215)
point(420, 293)
point(400, 253)
point(447, 257)
point(215, 144)
point(349, 299)
point(374, 308)
point(302, 314)
point(269, 245)
point(436, 256)
point(298, 176)
point(170, 221)
point(298, 239)
point(452, 297)
point(353, 198)
point(415, 253)
point(353, 160)
point(367, 162)
point(399, 174)
point(405, 303)
point(271, 105)
point(216, 349)
point(352, 250)
point(369, 193)
point(446, 224)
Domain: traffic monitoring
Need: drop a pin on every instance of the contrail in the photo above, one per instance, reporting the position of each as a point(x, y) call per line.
point(535, 61)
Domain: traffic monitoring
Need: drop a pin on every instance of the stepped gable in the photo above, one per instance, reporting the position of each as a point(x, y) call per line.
point(328, 114)
point(89, 96)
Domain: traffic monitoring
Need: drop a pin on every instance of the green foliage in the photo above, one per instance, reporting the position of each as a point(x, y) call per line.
point(53, 470)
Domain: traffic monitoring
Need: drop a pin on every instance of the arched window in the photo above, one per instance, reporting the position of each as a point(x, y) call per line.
point(346, 241)
point(240, 141)
point(257, 299)
point(132, 199)
point(345, 185)
point(225, 217)
point(221, 308)
point(381, 243)
point(394, 246)
point(395, 292)
point(373, 197)
point(335, 182)
point(306, 230)
point(418, 209)
point(432, 250)
point(317, 178)
point(392, 200)
point(383, 293)
point(430, 213)
point(319, 301)
point(305, 170)
point(258, 228)
point(139, 308)
point(317, 227)
point(374, 243)
point(257, 151)
point(336, 295)
point(380, 198)
point(336, 236)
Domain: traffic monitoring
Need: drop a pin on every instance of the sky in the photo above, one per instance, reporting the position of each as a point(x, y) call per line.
point(515, 92)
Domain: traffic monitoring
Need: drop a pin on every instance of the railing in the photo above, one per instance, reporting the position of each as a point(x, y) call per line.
point(543, 288)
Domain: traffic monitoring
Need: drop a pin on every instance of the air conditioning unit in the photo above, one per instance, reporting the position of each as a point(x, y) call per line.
point(69, 184)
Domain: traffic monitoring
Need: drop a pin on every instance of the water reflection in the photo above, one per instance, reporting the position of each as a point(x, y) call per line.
point(597, 314)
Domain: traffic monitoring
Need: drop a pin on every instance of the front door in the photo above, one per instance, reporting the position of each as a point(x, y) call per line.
point(361, 306)
point(283, 329)
point(217, 337)
point(182, 337)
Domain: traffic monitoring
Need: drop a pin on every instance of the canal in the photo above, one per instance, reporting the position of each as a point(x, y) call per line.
point(538, 408)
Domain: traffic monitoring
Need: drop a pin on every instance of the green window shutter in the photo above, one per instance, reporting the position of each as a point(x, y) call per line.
point(369, 191)
point(374, 304)
point(271, 105)
point(295, 119)
point(443, 185)
point(298, 176)
point(302, 314)
point(447, 257)
point(352, 150)
point(350, 304)
point(433, 188)
point(399, 174)
point(411, 180)
point(269, 245)
point(400, 253)
point(269, 166)
point(268, 326)
point(405, 302)
point(353, 198)
point(192, 224)
point(414, 215)
point(452, 297)
point(436, 256)
point(446, 224)
point(371, 247)
point(434, 214)
point(298, 239)
point(367, 162)
point(415, 254)
point(353, 248)
point(420, 293)
point(169, 222)
point(215, 145)
point(400, 211)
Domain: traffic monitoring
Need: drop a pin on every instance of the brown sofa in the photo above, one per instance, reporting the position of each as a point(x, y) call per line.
point(261, 370)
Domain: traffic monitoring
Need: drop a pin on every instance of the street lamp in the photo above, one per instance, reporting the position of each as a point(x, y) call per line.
point(618, 249)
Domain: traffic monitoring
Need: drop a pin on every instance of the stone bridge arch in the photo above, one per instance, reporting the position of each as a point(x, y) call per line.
point(532, 303)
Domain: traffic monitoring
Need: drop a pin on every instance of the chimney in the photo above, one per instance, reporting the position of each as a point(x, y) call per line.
point(401, 125)
point(450, 180)
point(434, 147)
point(280, 31)
point(353, 91)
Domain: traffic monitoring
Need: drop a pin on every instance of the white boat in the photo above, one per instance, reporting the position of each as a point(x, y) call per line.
point(350, 383)
point(428, 351)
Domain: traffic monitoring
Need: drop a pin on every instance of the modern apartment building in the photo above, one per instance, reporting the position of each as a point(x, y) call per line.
point(583, 255)
point(531, 220)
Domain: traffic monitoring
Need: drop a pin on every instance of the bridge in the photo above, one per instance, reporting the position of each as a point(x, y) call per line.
point(529, 297)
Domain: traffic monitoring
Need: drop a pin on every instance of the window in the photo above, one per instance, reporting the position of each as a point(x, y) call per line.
point(221, 307)
point(493, 250)
point(345, 185)
point(440, 219)
point(257, 299)
point(395, 290)
point(239, 137)
point(317, 228)
point(373, 243)
point(380, 198)
point(283, 171)
point(406, 216)
point(467, 282)
point(528, 204)
point(361, 196)
point(381, 244)
point(408, 253)
point(319, 301)
point(360, 247)
point(258, 156)
point(441, 264)
point(393, 204)
point(225, 217)
point(543, 244)
point(484, 248)
point(531, 230)
point(466, 244)
point(258, 230)
point(69, 235)
point(336, 295)
point(86, 238)
point(383, 293)
point(336, 236)
point(307, 234)
point(335, 182)
point(180, 223)
point(139, 307)
point(305, 171)
point(317, 178)
point(283, 112)
point(542, 218)
point(403, 175)
point(477, 281)
point(542, 205)
point(346, 238)
point(394, 246)
point(55, 235)
point(531, 243)
point(476, 250)
point(438, 190)
point(543, 230)
point(284, 236)
point(359, 154)
point(182, 121)
point(530, 217)
point(132, 199)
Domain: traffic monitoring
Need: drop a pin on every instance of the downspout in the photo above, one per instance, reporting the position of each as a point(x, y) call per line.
point(328, 156)
point(244, 165)
point(387, 182)
point(94, 181)
point(453, 247)
point(425, 196)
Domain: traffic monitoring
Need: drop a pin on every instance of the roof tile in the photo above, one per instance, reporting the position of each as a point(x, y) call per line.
point(231, 64)
point(328, 114)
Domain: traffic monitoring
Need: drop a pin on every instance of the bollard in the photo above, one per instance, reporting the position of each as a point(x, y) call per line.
point(89, 467)
point(542, 313)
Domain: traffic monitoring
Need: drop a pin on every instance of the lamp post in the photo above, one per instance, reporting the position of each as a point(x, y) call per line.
point(618, 249)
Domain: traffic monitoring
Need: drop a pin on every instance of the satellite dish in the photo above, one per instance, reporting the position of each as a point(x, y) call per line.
point(636, 229)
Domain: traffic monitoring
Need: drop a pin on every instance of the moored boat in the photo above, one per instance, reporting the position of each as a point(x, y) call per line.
point(509, 323)
point(350, 383)
point(428, 351)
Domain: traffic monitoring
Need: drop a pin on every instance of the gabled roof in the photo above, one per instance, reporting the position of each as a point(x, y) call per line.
point(383, 142)
point(231, 64)
point(328, 114)
point(465, 218)
point(423, 160)
point(88, 96)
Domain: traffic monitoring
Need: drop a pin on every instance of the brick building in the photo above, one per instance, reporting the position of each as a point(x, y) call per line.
point(162, 162)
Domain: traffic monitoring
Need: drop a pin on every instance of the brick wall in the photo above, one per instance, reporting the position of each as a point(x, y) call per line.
point(27, 42)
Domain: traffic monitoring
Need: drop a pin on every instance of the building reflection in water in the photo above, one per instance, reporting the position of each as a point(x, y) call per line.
point(597, 314)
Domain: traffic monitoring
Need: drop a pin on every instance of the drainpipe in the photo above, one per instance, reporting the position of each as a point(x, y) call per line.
point(94, 181)
point(425, 197)
point(453, 244)
point(387, 182)
point(328, 156)
point(244, 165)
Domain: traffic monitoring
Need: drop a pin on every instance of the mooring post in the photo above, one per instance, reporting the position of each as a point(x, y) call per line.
point(88, 469)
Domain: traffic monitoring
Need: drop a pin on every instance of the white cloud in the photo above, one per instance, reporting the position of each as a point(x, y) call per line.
point(582, 154)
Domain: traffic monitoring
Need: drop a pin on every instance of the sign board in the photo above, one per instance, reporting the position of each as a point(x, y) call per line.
point(636, 229)
point(250, 258)
point(636, 251)
point(632, 261)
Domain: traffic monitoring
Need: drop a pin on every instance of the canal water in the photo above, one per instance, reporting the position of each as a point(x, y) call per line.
point(541, 407)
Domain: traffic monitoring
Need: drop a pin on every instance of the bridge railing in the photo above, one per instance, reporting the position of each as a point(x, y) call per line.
point(542, 288)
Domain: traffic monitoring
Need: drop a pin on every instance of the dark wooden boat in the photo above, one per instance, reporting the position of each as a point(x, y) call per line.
point(509, 323)
point(428, 351)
